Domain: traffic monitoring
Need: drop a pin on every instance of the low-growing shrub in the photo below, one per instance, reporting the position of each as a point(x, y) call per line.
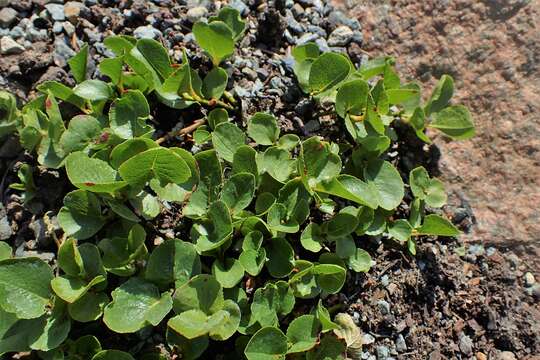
point(273, 223)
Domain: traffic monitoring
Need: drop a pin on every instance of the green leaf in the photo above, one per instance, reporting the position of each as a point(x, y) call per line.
point(263, 128)
point(80, 216)
point(343, 223)
point(244, 161)
point(93, 90)
point(280, 257)
point(160, 163)
point(442, 93)
point(112, 67)
point(425, 188)
point(5, 250)
point(214, 83)
point(383, 177)
point(62, 92)
point(83, 132)
point(71, 288)
point(373, 67)
point(146, 205)
point(91, 174)
point(128, 114)
point(89, 307)
point(174, 261)
point(312, 238)
point(120, 44)
point(231, 17)
point(268, 343)
point(189, 349)
point(277, 163)
point(329, 348)
point(227, 139)
point(136, 303)
point(112, 355)
point(330, 278)
point(436, 225)
point(253, 261)
point(327, 71)
point(24, 287)
point(217, 116)
point(400, 230)
point(119, 251)
point(288, 142)
point(350, 188)
point(305, 51)
point(216, 38)
point(324, 318)
point(202, 292)
point(279, 221)
point(156, 55)
point(400, 96)
point(360, 261)
point(228, 273)
point(77, 64)
point(87, 346)
point(8, 113)
point(130, 148)
point(455, 122)
point(215, 230)
point(271, 301)
point(302, 334)
point(50, 333)
point(319, 163)
point(351, 98)
point(238, 191)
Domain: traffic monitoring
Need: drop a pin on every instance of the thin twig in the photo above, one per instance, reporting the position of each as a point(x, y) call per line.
point(183, 131)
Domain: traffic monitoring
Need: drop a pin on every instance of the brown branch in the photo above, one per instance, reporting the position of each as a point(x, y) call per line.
point(183, 131)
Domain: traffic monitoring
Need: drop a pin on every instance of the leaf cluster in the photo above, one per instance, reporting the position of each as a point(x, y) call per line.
point(270, 219)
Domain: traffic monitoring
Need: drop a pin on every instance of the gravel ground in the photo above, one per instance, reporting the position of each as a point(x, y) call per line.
point(455, 300)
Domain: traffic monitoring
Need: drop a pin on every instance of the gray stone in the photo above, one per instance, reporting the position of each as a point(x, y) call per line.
point(38, 227)
point(33, 34)
point(5, 228)
point(534, 291)
point(196, 13)
point(312, 126)
point(62, 52)
point(57, 27)
point(401, 345)
point(7, 16)
point(477, 250)
point(307, 37)
point(341, 36)
point(384, 307)
point(465, 344)
point(382, 352)
point(8, 46)
point(68, 28)
point(240, 6)
point(17, 32)
point(90, 2)
point(297, 10)
point(529, 279)
point(146, 32)
point(43, 255)
point(56, 11)
point(367, 339)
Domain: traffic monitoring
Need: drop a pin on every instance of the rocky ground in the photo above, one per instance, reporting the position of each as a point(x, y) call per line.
point(456, 300)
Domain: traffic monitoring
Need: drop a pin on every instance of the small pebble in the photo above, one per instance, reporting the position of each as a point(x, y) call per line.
point(196, 13)
point(382, 352)
point(384, 307)
point(465, 344)
point(7, 17)
point(146, 32)
point(529, 279)
point(367, 339)
point(401, 345)
point(8, 46)
point(341, 36)
point(56, 11)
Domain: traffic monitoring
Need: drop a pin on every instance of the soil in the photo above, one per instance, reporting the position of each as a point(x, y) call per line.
point(457, 299)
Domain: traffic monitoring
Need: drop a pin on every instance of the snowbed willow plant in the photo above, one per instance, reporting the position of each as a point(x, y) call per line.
point(253, 196)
